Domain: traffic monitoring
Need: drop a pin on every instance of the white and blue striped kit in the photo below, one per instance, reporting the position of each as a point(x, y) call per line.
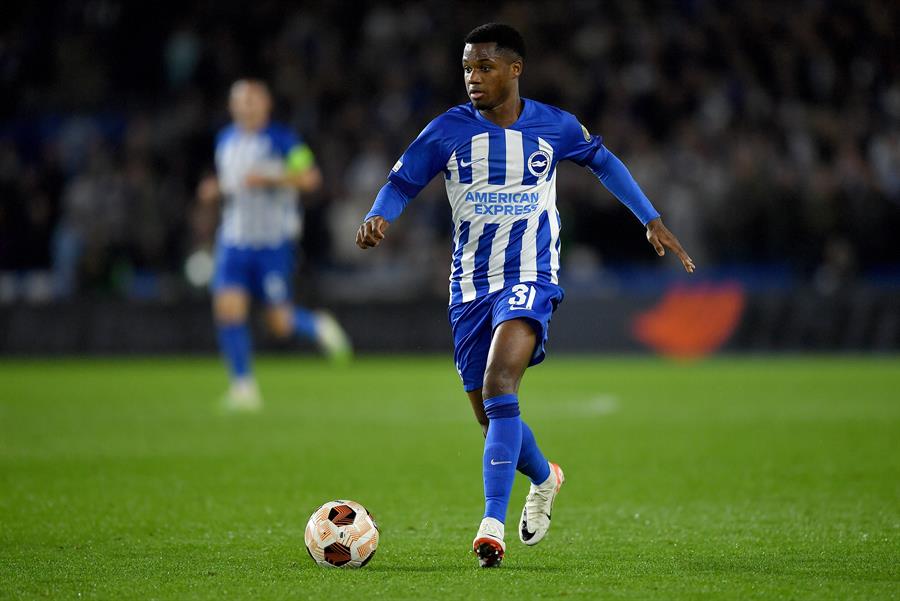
point(501, 184)
point(256, 217)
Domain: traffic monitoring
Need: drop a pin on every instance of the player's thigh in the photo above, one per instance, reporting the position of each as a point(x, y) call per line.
point(512, 347)
point(231, 304)
point(471, 325)
point(273, 270)
point(529, 306)
point(231, 285)
point(280, 319)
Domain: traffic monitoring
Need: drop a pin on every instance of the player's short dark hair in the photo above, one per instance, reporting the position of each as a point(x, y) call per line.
point(506, 37)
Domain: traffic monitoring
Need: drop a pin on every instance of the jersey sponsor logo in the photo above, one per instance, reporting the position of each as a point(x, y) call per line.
point(397, 165)
point(538, 163)
point(505, 209)
point(504, 203)
point(502, 197)
point(463, 163)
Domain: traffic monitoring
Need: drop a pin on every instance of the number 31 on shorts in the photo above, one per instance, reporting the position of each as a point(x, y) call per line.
point(523, 299)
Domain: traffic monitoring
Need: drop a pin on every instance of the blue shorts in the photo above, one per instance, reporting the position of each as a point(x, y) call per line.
point(264, 273)
point(474, 322)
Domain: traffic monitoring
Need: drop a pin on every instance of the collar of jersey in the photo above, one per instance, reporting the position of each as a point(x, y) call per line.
point(526, 112)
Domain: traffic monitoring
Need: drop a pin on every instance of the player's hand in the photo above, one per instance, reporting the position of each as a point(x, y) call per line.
point(255, 180)
point(661, 238)
point(371, 233)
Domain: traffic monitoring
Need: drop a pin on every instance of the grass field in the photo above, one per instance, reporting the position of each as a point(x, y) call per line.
point(727, 479)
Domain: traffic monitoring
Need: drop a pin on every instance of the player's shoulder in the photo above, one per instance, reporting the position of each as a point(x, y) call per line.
point(225, 133)
point(282, 137)
point(569, 126)
point(446, 126)
point(276, 128)
point(452, 118)
point(544, 111)
point(280, 131)
point(463, 111)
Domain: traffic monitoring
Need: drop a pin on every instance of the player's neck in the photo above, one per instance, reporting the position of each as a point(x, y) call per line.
point(251, 127)
point(506, 113)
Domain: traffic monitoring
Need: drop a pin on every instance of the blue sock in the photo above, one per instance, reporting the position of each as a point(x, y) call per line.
point(304, 323)
point(234, 342)
point(531, 461)
point(501, 453)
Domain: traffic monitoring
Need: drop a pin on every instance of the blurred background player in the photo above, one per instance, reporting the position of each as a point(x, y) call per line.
point(499, 156)
point(261, 167)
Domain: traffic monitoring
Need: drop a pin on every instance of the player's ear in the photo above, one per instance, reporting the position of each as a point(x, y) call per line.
point(517, 67)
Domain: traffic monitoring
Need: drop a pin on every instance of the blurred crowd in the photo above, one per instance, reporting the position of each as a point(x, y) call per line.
point(766, 133)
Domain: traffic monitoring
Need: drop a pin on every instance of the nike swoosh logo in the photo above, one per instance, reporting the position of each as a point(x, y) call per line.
point(527, 534)
point(462, 163)
point(499, 462)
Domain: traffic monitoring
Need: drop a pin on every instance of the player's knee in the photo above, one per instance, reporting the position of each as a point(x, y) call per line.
point(500, 379)
point(280, 329)
point(483, 421)
point(280, 323)
point(230, 310)
point(501, 407)
point(478, 409)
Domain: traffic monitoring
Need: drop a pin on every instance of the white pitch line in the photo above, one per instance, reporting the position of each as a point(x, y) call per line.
point(601, 405)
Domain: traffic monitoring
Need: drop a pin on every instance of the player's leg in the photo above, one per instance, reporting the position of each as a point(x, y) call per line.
point(512, 347)
point(230, 308)
point(477, 402)
point(474, 338)
point(532, 462)
point(285, 319)
point(532, 304)
point(231, 287)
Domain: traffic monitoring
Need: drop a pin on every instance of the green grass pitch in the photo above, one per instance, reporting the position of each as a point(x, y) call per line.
point(758, 478)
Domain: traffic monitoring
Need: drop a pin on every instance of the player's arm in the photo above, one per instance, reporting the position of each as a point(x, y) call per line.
point(419, 164)
point(300, 172)
point(613, 174)
point(371, 232)
point(388, 205)
point(208, 190)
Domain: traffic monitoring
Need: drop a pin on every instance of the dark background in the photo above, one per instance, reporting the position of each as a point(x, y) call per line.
point(766, 133)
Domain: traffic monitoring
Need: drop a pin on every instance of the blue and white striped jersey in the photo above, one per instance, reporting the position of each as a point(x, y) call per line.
point(256, 217)
point(501, 184)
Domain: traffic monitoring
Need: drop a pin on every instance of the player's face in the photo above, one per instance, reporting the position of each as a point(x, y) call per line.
point(490, 75)
point(250, 104)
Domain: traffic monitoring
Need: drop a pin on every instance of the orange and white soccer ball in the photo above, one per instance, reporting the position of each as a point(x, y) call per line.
point(341, 534)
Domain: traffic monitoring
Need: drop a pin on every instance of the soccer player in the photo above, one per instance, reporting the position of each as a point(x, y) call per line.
point(498, 155)
point(260, 169)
